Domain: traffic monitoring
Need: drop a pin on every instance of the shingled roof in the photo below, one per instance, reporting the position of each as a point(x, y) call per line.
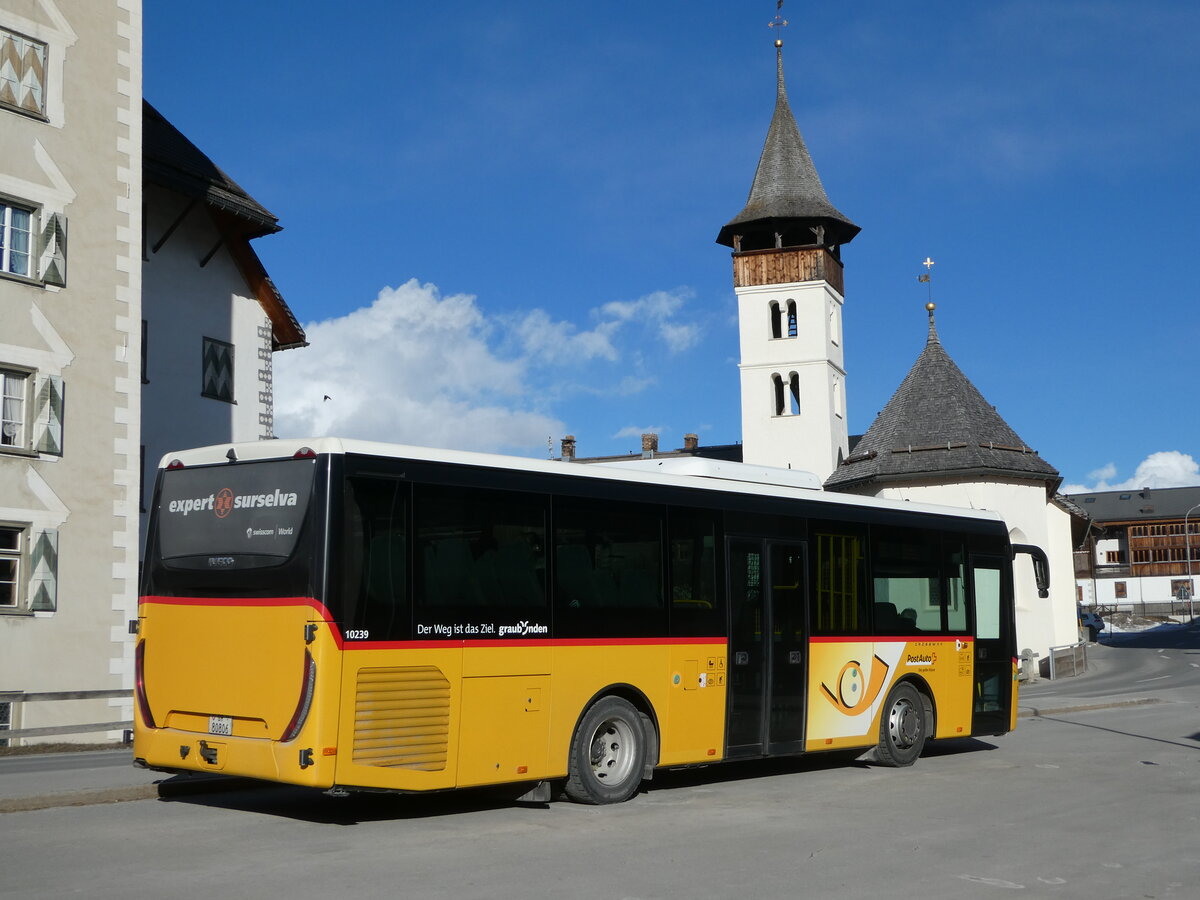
point(171, 160)
point(937, 424)
point(787, 194)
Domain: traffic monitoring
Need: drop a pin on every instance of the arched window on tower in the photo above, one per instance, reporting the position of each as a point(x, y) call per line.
point(834, 324)
point(837, 398)
point(791, 314)
point(776, 320)
point(778, 392)
point(794, 393)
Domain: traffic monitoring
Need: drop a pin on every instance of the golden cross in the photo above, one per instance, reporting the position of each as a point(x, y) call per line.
point(779, 21)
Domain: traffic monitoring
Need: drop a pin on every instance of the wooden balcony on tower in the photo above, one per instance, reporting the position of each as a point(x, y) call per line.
point(784, 265)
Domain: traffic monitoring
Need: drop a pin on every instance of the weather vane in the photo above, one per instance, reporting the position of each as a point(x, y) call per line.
point(779, 21)
point(927, 280)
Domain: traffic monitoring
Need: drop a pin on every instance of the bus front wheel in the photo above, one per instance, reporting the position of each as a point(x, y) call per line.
point(903, 727)
point(608, 753)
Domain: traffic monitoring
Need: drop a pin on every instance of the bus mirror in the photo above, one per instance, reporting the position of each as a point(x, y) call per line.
point(1041, 566)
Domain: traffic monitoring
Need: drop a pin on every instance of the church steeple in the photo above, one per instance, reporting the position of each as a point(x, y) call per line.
point(788, 206)
point(787, 273)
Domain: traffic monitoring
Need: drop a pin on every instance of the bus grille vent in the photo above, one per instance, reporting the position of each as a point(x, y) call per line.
point(402, 718)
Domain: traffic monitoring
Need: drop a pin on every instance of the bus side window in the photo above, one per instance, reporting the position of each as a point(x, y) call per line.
point(697, 607)
point(609, 568)
point(375, 560)
point(839, 578)
point(906, 571)
point(479, 548)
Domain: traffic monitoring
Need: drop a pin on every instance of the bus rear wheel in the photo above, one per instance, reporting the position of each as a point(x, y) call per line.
point(903, 727)
point(608, 753)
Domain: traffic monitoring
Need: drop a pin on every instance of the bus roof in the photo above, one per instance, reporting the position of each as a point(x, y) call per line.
point(707, 475)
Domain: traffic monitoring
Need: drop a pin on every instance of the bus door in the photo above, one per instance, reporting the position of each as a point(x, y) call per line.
point(767, 647)
point(994, 641)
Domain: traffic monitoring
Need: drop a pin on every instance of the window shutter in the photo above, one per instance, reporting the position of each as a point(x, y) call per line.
point(48, 416)
point(43, 577)
point(53, 250)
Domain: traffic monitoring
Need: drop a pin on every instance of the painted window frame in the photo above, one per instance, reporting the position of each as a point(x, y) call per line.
point(7, 228)
point(43, 411)
point(13, 579)
point(32, 577)
point(9, 377)
point(42, 88)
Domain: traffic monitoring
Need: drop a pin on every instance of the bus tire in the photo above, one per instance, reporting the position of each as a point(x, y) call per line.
point(608, 753)
point(903, 727)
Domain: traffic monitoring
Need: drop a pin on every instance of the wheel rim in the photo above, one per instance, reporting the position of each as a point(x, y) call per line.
point(613, 751)
point(904, 723)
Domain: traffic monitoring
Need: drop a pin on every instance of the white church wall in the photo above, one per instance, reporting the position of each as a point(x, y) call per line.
point(1041, 623)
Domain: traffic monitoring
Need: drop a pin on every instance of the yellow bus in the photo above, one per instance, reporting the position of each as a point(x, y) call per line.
point(356, 616)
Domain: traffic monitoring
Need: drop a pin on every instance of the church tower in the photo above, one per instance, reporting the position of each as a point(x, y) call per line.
point(787, 273)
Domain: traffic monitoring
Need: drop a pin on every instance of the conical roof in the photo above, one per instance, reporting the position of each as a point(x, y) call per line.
point(787, 194)
point(937, 424)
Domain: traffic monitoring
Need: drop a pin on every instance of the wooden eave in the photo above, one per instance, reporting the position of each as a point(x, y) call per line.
point(286, 332)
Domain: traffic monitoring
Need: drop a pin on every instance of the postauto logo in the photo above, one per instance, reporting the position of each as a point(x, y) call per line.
point(225, 501)
point(853, 691)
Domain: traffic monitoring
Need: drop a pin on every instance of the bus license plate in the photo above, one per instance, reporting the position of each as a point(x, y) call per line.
point(220, 725)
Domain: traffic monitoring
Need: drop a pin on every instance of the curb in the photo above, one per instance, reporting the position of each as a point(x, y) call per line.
point(79, 798)
point(1031, 712)
point(159, 790)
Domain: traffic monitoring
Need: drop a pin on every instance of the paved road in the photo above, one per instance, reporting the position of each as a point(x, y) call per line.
point(1101, 803)
point(1160, 662)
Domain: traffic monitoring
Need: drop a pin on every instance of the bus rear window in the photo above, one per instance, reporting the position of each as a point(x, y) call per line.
point(237, 516)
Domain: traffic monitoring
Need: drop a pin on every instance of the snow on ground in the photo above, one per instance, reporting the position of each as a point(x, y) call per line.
point(1127, 623)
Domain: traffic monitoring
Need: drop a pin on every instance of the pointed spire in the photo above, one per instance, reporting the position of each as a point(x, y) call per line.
point(787, 196)
point(933, 335)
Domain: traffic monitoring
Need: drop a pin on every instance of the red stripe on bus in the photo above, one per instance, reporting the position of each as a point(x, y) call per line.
point(470, 643)
point(892, 638)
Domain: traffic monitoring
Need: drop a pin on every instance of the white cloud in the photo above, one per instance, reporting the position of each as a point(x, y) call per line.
point(416, 367)
point(548, 341)
point(1164, 469)
point(658, 311)
point(413, 367)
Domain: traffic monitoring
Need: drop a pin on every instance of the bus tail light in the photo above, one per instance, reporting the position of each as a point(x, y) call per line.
point(307, 687)
point(305, 453)
point(139, 681)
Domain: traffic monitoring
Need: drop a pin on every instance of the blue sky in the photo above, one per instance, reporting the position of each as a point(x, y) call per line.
point(499, 218)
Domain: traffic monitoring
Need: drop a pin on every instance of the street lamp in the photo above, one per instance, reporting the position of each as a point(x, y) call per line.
point(1187, 543)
